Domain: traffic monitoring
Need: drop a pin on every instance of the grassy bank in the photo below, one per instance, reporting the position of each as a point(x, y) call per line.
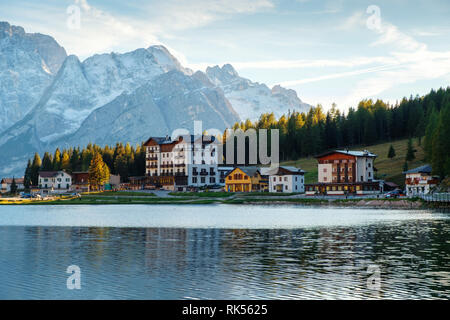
point(119, 193)
point(206, 194)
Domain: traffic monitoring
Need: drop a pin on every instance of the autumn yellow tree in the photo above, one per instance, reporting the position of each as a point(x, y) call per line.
point(98, 172)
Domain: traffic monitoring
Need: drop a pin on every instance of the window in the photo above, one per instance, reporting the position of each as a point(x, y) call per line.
point(202, 179)
point(369, 164)
point(295, 178)
point(274, 179)
point(285, 187)
point(295, 187)
point(212, 180)
point(194, 180)
point(324, 178)
point(369, 174)
point(285, 178)
point(324, 169)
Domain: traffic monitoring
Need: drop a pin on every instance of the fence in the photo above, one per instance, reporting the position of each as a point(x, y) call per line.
point(436, 197)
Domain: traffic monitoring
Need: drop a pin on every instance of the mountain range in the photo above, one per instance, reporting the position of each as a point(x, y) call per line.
point(49, 99)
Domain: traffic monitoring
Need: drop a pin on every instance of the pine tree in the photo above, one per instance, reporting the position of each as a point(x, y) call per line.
point(429, 133)
point(27, 175)
point(441, 144)
point(410, 151)
point(405, 166)
point(35, 167)
point(13, 186)
point(391, 152)
point(47, 163)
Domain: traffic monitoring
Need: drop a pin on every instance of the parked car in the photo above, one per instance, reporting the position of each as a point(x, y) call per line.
point(394, 194)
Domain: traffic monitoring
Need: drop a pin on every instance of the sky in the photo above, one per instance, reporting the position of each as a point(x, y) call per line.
point(339, 51)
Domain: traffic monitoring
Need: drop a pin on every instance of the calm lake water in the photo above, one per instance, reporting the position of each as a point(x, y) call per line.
point(223, 252)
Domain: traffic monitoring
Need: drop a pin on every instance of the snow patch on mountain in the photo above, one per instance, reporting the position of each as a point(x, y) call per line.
point(251, 99)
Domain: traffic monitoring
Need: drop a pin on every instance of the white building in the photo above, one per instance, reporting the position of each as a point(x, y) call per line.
point(54, 181)
point(186, 161)
point(420, 181)
point(6, 184)
point(286, 179)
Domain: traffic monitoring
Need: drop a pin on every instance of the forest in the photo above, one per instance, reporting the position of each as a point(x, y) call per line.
point(426, 118)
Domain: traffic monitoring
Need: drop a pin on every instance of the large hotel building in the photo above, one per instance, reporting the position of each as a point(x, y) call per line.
point(185, 161)
point(343, 172)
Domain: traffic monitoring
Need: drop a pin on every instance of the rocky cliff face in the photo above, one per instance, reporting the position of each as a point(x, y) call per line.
point(28, 64)
point(251, 99)
point(173, 100)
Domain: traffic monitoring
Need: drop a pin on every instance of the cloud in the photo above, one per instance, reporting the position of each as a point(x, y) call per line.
point(339, 75)
point(101, 31)
point(180, 14)
point(407, 61)
point(300, 64)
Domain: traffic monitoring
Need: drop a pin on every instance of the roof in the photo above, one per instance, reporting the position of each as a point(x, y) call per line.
point(422, 169)
point(204, 139)
point(250, 171)
point(285, 170)
point(364, 153)
point(9, 180)
point(50, 174)
point(159, 140)
point(391, 184)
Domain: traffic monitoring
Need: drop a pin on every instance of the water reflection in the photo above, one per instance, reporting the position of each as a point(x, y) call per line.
point(170, 263)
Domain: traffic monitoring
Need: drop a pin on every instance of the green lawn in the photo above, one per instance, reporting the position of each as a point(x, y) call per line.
point(388, 169)
point(120, 193)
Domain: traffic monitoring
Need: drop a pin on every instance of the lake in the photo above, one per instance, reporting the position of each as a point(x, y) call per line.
point(224, 252)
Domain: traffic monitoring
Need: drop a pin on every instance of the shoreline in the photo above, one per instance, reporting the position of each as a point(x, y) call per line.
point(369, 203)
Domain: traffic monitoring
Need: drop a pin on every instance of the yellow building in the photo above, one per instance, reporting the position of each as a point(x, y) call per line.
point(243, 179)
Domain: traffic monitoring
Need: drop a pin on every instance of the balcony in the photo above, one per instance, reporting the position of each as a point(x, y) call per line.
point(194, 173)
point(179, 165)
point(180, 174)
point(203, 173)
